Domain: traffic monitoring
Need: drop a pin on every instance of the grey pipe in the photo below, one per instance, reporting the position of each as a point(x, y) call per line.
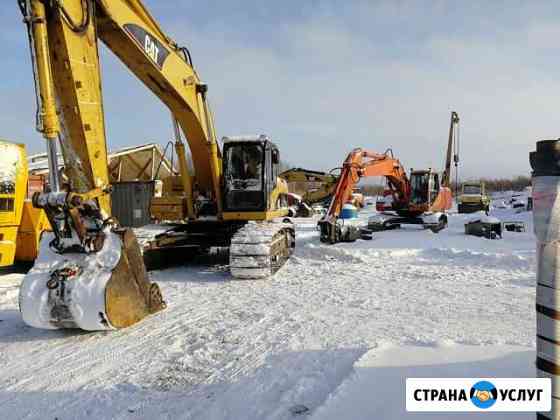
point(545, 162)
point(52, 155)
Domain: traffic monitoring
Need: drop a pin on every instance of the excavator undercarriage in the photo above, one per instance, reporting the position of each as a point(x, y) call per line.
point(257, 249)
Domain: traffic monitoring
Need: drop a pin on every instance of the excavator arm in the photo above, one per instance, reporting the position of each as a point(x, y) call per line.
point(396, 177)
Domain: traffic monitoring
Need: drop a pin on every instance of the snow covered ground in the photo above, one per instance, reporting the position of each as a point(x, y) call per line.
point(333, 335)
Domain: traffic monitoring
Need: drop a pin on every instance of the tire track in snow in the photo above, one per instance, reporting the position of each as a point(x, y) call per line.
point(76, 357)
point(351, 296)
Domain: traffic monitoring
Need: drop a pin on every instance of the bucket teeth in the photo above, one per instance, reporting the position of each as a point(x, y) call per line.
point(130, 296)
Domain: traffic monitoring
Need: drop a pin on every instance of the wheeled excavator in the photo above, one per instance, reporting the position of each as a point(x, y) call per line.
point(90, 272)
point(422, 199)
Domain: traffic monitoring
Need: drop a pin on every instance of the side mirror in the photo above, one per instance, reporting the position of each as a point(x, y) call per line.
point(275, 157)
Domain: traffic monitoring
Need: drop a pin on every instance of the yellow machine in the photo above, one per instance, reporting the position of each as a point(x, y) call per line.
point(323, 183)
point(473, 198)
point(21, 225)
point(246, 214)
point(90, 273)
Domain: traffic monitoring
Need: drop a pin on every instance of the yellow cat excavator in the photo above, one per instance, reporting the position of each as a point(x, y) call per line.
point(90, 273)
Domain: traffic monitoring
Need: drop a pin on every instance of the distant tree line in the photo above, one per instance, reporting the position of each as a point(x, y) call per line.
point(517, 183)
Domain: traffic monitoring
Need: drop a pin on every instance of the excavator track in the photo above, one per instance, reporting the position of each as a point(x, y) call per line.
point(259, 249)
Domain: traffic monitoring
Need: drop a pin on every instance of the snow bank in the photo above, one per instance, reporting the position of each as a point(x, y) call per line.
point(376, 389)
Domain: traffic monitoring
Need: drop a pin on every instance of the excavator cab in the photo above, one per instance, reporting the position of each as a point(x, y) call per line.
point(250, 173)
point(425, 186)
point(428, 195)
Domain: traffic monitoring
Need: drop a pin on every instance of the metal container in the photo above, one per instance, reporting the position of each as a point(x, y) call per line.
point(131, 202)
point(349, 211)
point(487, 227)
point(546, 215)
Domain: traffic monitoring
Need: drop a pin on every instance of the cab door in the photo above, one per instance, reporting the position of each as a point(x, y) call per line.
point(434, 186)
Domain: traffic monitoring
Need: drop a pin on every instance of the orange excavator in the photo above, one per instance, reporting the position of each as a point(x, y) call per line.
point(421, 199)
point(358, 164)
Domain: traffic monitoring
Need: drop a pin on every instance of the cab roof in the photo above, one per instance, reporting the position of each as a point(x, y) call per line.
point(246, 138)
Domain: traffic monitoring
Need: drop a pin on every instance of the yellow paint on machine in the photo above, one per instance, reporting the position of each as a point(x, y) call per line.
point(33, 223)
point(263, 215)
point(21, 225)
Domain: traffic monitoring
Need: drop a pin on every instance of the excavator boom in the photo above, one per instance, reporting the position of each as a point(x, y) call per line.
point(127, 28)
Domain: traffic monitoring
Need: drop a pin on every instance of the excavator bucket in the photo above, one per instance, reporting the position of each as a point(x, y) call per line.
point(104, 290)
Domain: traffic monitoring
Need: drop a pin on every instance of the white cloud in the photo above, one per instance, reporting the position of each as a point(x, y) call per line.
point(329, 90)
point(324, 84)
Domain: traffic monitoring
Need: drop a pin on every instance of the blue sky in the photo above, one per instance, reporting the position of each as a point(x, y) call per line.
point(323, 77)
